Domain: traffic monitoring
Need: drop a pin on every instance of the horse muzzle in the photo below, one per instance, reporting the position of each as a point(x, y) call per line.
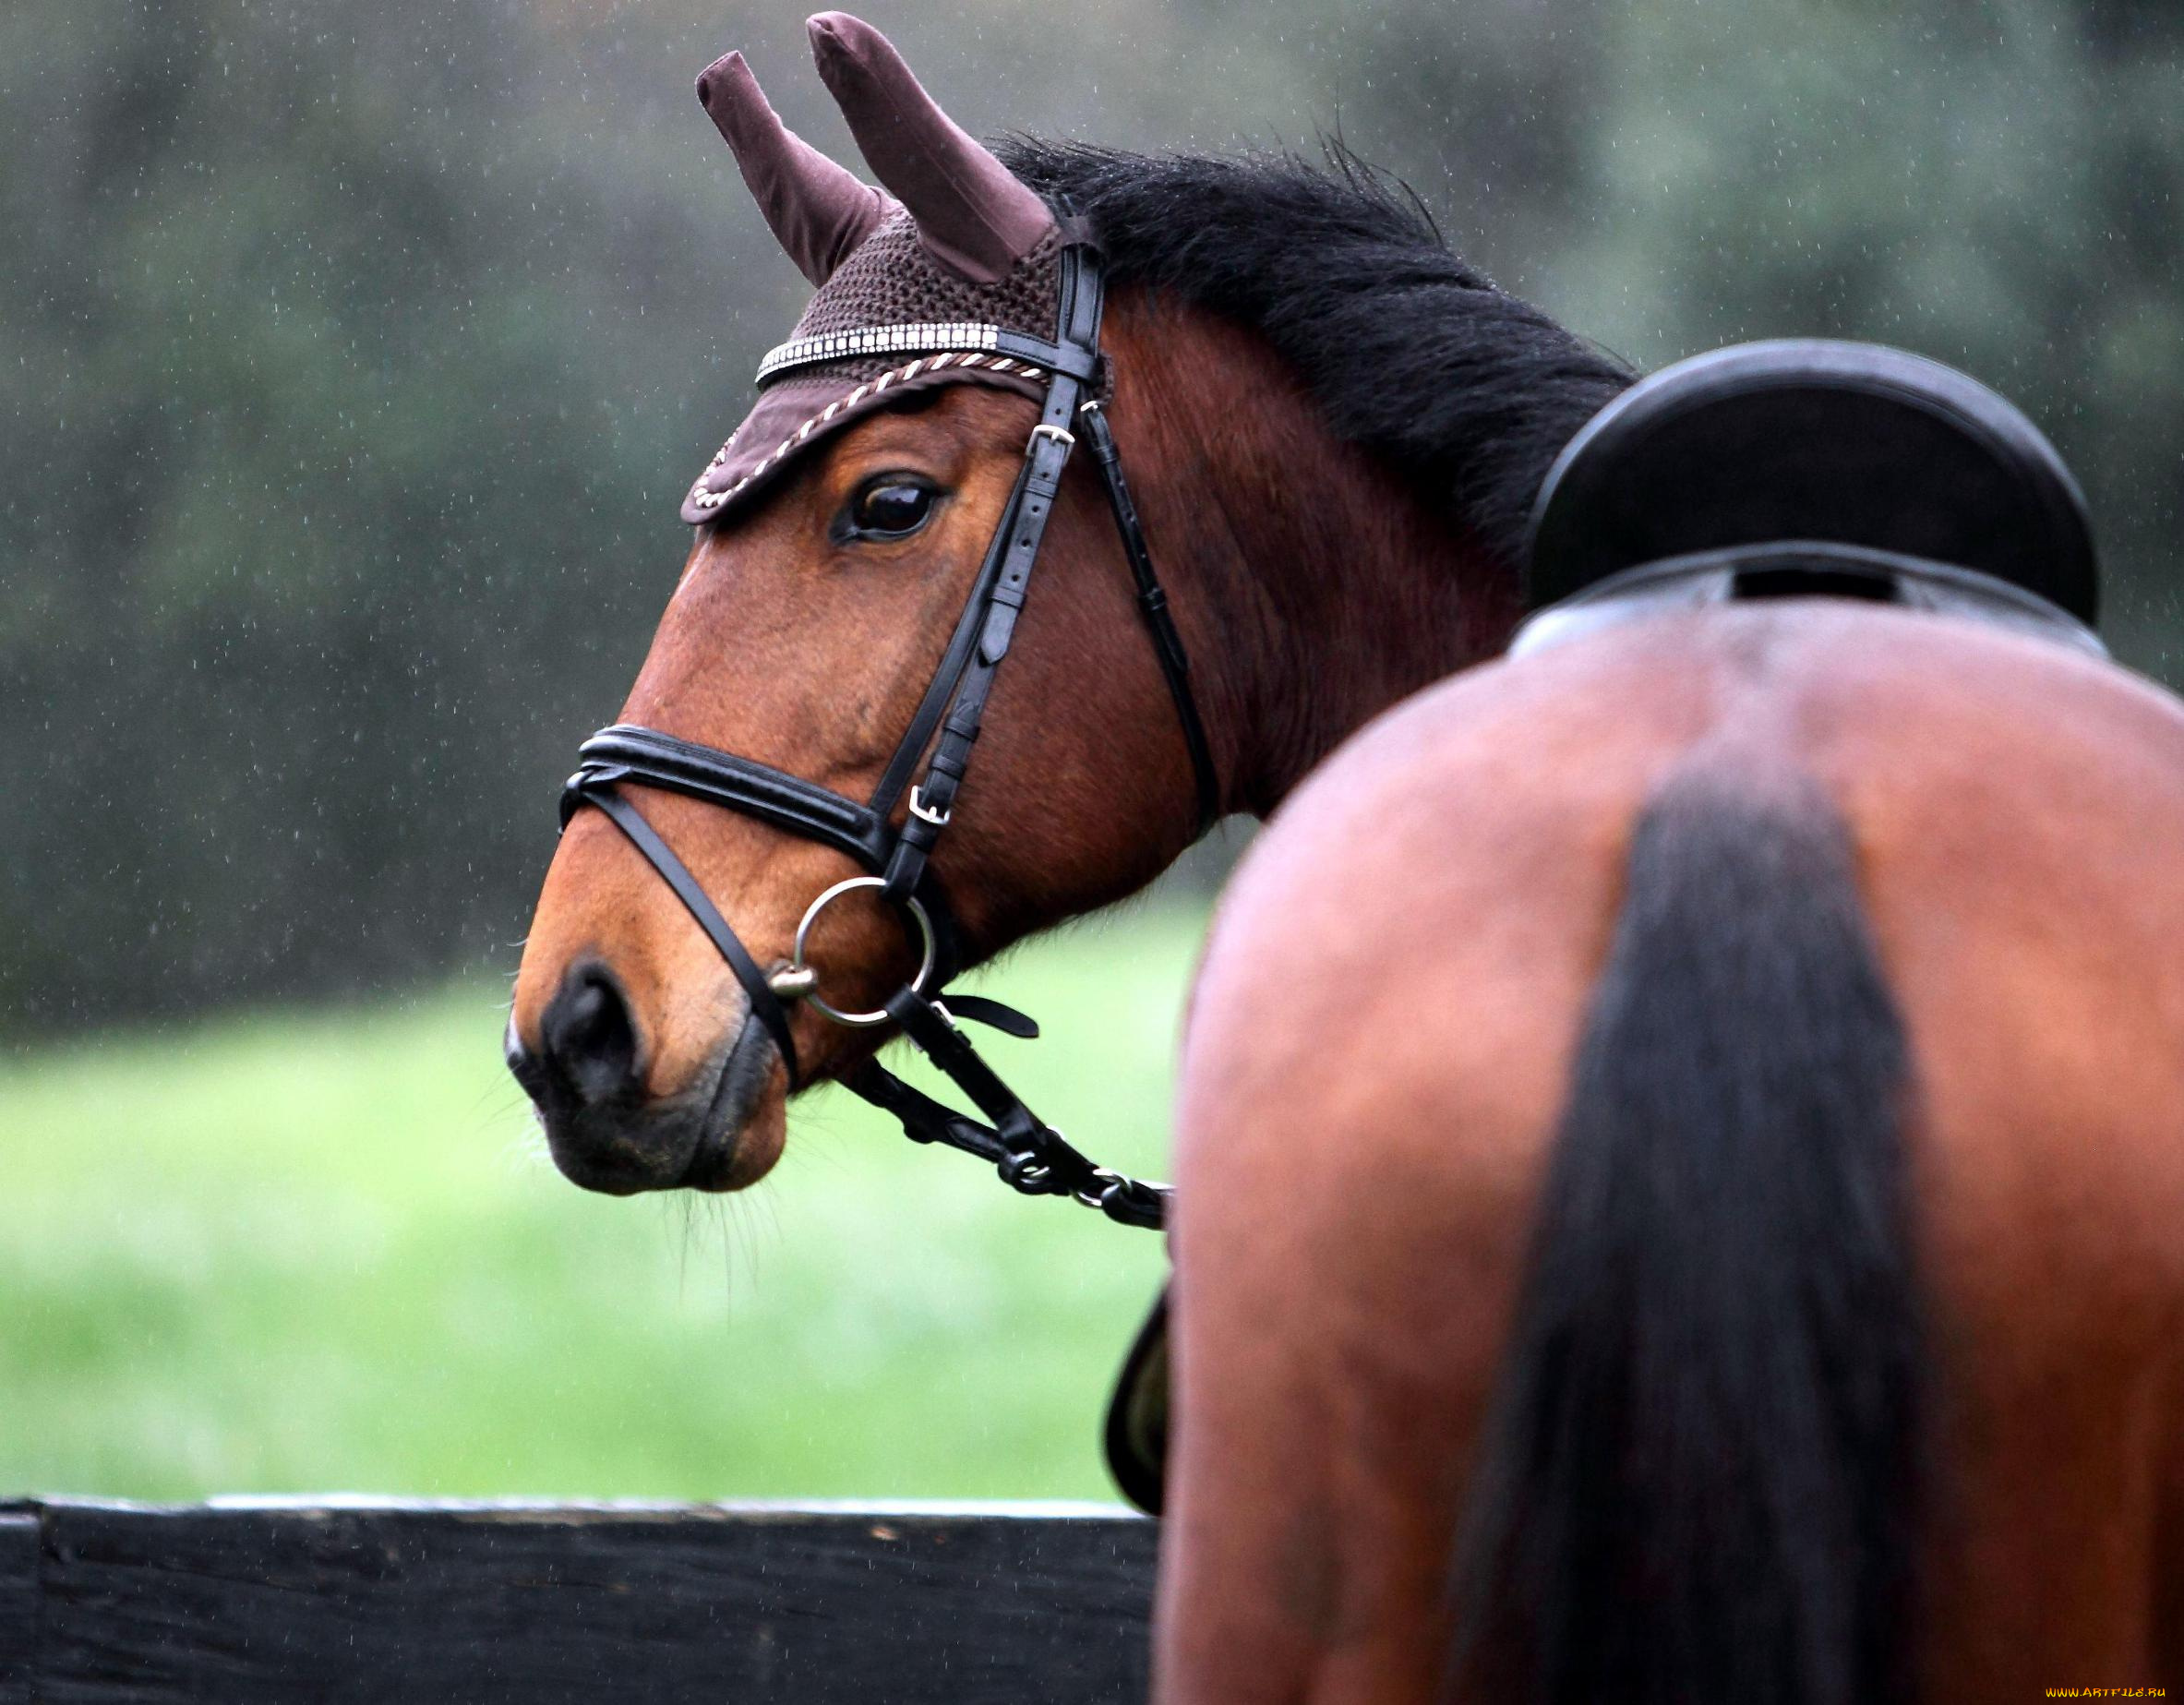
point(608, 1131)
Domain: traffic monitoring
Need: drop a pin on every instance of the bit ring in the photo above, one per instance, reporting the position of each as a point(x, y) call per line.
point(797, 970)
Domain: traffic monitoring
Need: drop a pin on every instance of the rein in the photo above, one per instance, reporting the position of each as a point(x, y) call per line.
point(1028, 1154)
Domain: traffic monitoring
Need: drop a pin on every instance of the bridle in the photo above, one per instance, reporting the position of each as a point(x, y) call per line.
point(1029, 1154)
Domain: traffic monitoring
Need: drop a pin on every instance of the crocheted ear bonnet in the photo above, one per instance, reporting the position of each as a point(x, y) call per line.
point(914, 278)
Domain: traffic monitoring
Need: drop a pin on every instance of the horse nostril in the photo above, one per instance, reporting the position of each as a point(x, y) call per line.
point(588, 1036)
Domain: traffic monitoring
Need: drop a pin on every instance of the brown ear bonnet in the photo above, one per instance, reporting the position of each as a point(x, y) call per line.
point(916, 278)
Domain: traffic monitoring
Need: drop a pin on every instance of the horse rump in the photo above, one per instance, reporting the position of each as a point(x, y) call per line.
point(1698, 1474)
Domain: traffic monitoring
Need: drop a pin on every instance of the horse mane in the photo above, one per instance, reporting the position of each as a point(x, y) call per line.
point(1464, 390)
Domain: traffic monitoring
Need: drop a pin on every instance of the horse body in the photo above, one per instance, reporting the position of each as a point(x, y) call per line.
point(1441, 898)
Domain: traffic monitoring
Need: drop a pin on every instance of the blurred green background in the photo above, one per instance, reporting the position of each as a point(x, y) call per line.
point(352, 359)
point(328, 1250)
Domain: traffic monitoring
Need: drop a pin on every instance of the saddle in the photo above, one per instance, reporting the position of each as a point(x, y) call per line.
point(1809, 468)
point(1795, 468)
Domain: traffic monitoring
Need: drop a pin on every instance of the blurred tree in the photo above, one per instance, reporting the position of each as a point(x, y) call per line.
point(352, 359)
point(329, 480)
point(1996, 186)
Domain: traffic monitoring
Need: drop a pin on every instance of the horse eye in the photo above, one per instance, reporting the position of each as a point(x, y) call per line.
point(891, 508)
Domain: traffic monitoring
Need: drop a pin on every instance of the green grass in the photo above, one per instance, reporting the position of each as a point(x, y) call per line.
point(326, 1250)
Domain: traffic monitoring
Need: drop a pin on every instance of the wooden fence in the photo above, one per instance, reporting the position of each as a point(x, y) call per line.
point(346, 1599)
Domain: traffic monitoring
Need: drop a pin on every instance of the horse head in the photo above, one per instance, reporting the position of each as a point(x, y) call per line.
point(1334, 428)
point(842, 532)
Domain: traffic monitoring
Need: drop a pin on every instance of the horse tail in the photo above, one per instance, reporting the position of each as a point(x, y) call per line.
point(1696, 1478)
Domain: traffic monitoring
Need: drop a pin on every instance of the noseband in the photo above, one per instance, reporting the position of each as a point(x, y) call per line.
point(1029, 1154)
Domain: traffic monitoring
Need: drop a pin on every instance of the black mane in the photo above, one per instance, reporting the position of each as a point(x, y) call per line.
point(1451, 381)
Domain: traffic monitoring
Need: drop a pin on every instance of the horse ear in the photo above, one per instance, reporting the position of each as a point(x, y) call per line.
point(818, 210)
point(973, 214)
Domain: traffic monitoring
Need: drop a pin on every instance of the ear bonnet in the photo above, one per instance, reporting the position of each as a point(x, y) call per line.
point(919, 280)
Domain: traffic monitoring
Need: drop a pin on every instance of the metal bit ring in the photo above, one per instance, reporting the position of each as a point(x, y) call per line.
point(800, 978)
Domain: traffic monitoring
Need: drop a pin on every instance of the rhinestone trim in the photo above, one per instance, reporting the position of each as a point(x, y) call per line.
point(955, 334)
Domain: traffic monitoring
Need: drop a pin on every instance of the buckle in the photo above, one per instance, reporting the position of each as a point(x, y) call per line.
point(924, 812)
point(1047, 429)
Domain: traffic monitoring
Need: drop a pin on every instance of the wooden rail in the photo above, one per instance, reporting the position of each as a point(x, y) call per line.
point(339, 1599)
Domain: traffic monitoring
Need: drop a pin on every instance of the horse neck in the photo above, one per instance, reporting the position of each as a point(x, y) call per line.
point(1313, 586)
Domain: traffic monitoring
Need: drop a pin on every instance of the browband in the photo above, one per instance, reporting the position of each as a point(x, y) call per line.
point(927, 338)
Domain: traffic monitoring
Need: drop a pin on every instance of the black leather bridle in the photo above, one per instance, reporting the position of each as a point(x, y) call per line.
point(1029, 1154)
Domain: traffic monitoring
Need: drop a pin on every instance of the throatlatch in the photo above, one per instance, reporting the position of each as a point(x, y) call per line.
point(1027, 1153)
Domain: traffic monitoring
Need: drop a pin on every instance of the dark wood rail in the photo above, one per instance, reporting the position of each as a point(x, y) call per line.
point(346, 1599)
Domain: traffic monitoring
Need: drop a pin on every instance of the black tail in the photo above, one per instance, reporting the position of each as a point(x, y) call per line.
point(1696, 1483)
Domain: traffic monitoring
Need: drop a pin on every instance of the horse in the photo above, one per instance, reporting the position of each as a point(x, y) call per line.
point(1680, 1142)
point(1333, 428)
